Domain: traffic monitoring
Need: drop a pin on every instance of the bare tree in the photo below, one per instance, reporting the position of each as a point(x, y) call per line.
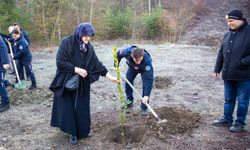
point(91, 11)
point(149, 6)
point(122, 4)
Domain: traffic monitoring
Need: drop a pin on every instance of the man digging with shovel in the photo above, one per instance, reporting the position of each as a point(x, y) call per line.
point(138, 61)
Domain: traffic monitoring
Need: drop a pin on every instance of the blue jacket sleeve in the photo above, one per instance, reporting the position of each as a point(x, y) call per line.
point(3, 52)
point(147, 80)
point(124, 53)
point(21, 51)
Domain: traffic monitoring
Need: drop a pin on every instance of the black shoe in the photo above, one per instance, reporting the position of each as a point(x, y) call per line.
point(8, 83)
point(73, 139)
point(222, 122)
point(88, 136)
point(4, 107)
point(144, 112)
point(32, 87)
point(237, 128)
point(13, 72)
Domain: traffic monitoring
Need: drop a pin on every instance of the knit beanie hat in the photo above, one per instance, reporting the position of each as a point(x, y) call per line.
point(235, 14)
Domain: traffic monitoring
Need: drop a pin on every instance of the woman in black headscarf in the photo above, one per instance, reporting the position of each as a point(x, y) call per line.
point(71, 109)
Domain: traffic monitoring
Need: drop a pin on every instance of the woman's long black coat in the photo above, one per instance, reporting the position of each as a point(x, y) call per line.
point(70, 119)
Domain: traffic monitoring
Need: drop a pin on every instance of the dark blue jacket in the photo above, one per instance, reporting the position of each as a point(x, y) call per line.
point(26, 36)
point(126, 52)
point(233, 59)
point(145, 67)
point(4, 59)
point(22, 52)
point(8, 37)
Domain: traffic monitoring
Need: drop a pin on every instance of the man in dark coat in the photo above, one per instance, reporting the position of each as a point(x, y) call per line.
point(4, 65)
point(138, 61)
point(233, 61)
point(71, 109)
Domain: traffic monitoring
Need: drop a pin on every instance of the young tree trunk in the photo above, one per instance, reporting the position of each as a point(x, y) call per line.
point(159, 3)
point(149, 6)
point(122, 5)
point(56, 23)
point(43, 22)
point(91, 11)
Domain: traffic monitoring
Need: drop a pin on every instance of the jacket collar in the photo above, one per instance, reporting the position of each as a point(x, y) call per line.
point(241, 27)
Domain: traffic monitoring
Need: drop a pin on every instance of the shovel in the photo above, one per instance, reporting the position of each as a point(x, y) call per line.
point(19, 84)
point(159, 120)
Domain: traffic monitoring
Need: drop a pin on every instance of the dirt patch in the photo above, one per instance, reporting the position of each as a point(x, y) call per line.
point(179, 121)
point(126, 134)
point(138, 126)
point(25, 96)
point(162, 82)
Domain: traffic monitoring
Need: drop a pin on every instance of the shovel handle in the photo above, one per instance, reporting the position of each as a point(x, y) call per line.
point(14, 62)
point(153, 112)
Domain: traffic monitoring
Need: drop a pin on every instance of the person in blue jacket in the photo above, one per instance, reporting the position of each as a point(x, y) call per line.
point(24, 56)
point(27, 38)
point(23, 32)
point(138, 61)
point(4, 60)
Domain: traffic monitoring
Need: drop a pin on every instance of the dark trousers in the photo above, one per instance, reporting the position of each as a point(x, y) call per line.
point(28, 68)
point(21, 70)
point(239, 90)
point(130, 75)
point(3, 92)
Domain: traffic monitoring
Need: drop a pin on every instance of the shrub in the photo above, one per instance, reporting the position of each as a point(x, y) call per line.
point(116, 23)
point(151, 23)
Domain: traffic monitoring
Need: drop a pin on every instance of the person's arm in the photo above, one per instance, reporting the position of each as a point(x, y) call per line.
point(121, 54)
point(4, 54)
point(98, 69)
point(111, 78)
point(63, 59)
point(219, 63)
point(246, 60)
point(147, 79)
point(19, 54)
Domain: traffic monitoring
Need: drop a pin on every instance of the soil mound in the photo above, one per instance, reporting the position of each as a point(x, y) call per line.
point(162, 82)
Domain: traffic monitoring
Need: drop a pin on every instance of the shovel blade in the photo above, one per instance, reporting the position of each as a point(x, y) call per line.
point(20, 85)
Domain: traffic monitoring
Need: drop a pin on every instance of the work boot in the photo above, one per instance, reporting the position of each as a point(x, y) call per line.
point(222, 122)
point(33, 86)
point(73, 139)
point(144, 112)
point(8, 83)
point(4, 107)
point(13, 72)
point(237, 128)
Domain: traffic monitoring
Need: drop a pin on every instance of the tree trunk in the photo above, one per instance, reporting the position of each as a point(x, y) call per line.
point(159, 3)
point(149, 6)
point(43, 22)
point(91, 11)
point(122, 5)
